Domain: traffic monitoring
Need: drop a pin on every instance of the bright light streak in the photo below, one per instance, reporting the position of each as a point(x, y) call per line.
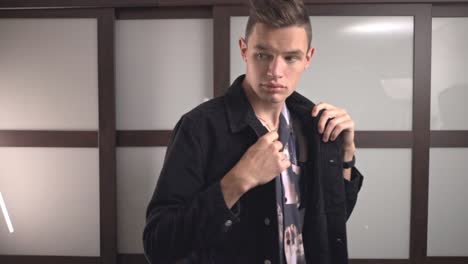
point(5, 214)
point(381, 27)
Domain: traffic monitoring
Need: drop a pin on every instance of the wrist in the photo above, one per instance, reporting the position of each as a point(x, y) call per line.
point(230, 189)
point(348, 152)
point(234, 181)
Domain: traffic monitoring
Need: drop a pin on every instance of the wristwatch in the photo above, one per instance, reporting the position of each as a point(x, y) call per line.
point(349, 164)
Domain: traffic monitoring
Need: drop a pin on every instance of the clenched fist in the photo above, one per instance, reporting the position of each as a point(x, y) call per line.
point(262, 162)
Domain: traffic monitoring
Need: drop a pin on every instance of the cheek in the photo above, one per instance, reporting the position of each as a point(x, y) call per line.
point(258, 67)
point(295, 71)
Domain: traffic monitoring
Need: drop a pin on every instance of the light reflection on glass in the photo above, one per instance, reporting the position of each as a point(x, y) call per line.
point(5, 214)
point(384, 27)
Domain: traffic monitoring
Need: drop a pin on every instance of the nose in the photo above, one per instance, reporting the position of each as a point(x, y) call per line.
point(275, 68)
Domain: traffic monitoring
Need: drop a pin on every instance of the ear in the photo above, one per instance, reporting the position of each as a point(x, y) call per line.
point(243, 48)
point(309, 55)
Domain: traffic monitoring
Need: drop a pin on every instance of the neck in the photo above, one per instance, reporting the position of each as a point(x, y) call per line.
point(268, 112)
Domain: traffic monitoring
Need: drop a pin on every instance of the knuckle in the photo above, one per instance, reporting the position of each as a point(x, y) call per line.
point(272, 147)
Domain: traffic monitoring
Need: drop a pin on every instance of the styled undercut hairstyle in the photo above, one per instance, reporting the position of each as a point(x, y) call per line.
point(279, 14)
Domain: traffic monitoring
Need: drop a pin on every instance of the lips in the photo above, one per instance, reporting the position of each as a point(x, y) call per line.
point(273, 85)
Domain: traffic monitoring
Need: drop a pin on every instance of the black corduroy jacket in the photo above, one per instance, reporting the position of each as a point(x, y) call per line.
point(187, 219)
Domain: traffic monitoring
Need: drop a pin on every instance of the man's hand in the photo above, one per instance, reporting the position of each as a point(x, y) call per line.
point(262, 162)
point(339, 121)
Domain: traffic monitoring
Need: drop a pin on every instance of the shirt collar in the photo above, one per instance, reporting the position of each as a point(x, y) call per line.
point(240, 113)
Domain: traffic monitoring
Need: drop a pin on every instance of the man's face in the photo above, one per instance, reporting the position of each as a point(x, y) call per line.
point(275, 59)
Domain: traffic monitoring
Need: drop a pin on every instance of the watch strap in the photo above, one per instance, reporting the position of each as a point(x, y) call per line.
point(349, 164)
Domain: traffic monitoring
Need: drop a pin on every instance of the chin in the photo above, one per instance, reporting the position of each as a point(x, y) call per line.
point(276, 99)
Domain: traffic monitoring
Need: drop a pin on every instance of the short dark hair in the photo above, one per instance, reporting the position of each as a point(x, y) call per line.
point(279, 14)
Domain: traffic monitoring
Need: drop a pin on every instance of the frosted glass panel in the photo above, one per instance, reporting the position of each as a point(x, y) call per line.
point(48, 74)
point(364, 64)
point(138, 170)
point(52, 195)
point(164, 69)
point(449, 81)
point(380, 224)
point(448, 179)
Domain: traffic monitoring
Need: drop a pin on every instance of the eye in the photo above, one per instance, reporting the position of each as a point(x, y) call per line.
point(262, 56)
point(291, 59)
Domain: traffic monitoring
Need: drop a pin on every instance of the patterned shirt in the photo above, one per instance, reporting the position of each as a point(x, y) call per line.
point(288, 197)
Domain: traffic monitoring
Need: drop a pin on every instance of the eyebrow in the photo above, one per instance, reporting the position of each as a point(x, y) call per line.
point(290, 52)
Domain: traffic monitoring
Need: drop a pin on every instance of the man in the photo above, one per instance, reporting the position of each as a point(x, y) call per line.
point(261, 174)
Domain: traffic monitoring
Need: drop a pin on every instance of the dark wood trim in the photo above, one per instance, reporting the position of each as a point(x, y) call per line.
point(140, 259)
point(17, 259)
point(384, 139)
point(347, 10)
point(446, 260)
point(449, 139)
point(237, 10)
point(131, 259)
point(164, 13)
point(33, 138)
point(107, 155)
point(51, 13)
point(221, 46)
point(379, 261)
point(76, 3)
point(421, 137)
point(456, 10)
point(245, 2)
point(143, 138)
point(182, 3)
point(400, 9)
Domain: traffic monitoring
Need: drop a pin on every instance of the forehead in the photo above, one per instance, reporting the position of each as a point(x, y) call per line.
point(286, 38)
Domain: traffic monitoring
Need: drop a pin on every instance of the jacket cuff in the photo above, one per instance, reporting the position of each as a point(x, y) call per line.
point(354, 185)
point(228, 217)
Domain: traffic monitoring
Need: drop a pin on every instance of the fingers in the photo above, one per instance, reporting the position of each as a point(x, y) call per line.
point(277, 146)
point(318, 107)
point(346, 125)
point(328, 114)
point(334, 121)
point(270, 136)
point(284, 164)
point(333, 126)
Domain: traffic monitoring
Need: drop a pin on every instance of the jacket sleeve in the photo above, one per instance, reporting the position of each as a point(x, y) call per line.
point(352, 188)
point(185, 214)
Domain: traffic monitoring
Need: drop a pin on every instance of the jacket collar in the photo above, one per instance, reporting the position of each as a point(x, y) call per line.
point(240, 113)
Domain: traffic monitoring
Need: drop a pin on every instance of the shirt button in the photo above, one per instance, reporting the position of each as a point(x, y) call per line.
point(267, 221)
point(267, 261)
point(228, 223)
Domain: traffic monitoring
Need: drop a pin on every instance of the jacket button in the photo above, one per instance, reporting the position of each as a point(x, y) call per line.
point(267, 261)
point(267, 221)
point(339, 240)
point(228, 223)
